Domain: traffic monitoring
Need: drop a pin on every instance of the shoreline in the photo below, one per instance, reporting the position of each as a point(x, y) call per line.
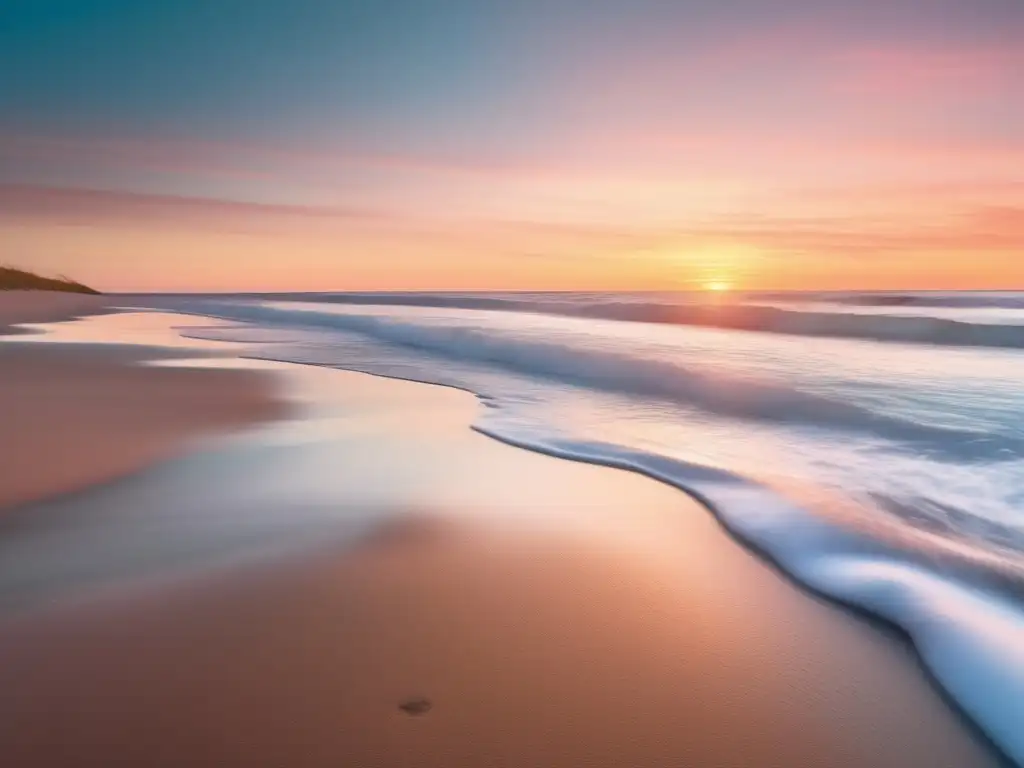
point(495, 598)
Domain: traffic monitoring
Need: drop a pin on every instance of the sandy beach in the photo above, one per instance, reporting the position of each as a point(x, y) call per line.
point(80, 414)
point(217, 562)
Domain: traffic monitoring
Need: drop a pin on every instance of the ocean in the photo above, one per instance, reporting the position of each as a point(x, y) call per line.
point(871, 445)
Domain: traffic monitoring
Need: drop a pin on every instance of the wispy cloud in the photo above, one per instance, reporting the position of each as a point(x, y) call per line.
point(84, 207)
point(918, 73)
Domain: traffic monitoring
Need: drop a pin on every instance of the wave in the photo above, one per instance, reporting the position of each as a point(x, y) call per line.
point(618, 371)
point(744, 316)
point(768, 319)
point(961, 300)
point(970, 639)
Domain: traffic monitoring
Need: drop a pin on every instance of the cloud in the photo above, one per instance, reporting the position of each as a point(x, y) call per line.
point(85, 207)
point(981, 227)
point(928, 76)
point(984, 229)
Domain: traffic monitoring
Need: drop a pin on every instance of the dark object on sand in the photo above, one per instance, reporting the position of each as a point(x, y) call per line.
point(416, 706)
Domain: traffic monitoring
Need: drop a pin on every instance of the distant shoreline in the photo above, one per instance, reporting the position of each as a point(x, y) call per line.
point(12, 279)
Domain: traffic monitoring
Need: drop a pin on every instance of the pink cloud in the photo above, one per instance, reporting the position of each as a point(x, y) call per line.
point(918, 73)
point(20, 203)
point(126, 154)
point(243, 160)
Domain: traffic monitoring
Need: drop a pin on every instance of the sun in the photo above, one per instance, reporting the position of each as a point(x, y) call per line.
point(717, 286)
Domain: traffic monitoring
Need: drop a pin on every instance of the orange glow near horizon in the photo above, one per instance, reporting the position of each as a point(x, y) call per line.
point(131, 242)
point(118, 258)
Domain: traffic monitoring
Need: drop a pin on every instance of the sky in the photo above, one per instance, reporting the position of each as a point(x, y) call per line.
point(524, 144)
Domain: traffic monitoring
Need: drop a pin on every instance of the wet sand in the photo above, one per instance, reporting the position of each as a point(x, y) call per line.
point(373, 584)
point(76, 415)
point(45, 307)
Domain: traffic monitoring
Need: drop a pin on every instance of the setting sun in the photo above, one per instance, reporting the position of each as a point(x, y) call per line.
point(717, 286)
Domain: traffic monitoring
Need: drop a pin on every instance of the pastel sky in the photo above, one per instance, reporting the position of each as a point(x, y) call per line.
point(521, 144)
